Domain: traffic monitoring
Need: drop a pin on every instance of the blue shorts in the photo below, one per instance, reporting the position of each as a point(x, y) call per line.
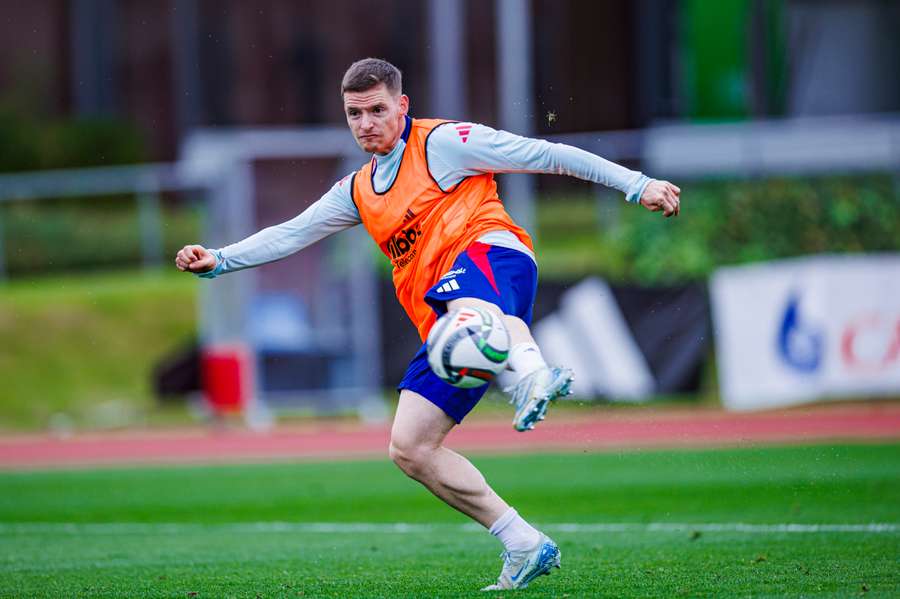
point(501, 276)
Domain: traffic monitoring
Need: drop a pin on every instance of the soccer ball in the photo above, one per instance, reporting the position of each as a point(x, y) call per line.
point(468, 347)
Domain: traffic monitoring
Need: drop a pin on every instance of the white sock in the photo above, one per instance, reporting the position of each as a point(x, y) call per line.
point(514, 532)
point(525, 358)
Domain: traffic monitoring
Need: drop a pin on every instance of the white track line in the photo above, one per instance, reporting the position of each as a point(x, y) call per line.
point(140, 528)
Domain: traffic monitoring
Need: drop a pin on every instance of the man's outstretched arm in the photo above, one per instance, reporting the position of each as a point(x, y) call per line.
point(459, 150)
point(333, 212)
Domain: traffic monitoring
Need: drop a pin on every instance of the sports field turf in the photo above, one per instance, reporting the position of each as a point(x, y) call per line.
point(642, 524)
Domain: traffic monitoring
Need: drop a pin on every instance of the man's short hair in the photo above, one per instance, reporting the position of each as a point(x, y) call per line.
point(367, 73)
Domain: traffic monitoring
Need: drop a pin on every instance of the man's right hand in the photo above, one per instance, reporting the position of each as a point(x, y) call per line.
point(662, 195)
point(195, 258)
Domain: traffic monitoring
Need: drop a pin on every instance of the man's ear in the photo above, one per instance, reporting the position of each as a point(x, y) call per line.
point(404, 104)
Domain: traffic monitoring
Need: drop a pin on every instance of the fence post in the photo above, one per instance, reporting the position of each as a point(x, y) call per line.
point(608, 207)
point(515, 101)
point(2, 248)
point(150, 223)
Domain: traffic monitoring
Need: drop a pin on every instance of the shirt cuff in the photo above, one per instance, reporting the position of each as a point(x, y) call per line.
point(636, 189)
point(220, 266)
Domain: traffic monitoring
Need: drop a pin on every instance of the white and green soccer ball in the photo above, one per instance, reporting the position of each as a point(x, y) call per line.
point(468, 347)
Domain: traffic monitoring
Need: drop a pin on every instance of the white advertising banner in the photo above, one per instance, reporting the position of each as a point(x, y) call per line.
point(805, 329)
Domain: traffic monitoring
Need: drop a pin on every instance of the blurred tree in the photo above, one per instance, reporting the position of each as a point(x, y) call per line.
point(32, 143)
point(722, 222)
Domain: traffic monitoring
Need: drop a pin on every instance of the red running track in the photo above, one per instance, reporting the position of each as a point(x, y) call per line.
point(591, 432)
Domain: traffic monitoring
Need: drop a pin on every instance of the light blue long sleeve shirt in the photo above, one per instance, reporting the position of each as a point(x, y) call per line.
point(451, 158)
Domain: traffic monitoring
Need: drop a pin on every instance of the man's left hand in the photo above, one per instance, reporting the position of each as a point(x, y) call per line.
point(662, 195)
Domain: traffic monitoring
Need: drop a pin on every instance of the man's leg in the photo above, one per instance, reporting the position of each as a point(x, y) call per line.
point(524, 355)
point(537, 384)
point(417, 448)
point(518, 330)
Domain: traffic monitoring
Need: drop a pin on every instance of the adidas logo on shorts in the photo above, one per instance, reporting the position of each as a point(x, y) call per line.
point(450, 285)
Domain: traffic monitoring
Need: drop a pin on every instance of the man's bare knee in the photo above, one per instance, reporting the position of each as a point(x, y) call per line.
point(411, 458)
point(418, 432)
point(518, 330)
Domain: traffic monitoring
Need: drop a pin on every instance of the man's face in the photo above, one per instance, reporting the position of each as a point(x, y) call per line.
point(376, 118)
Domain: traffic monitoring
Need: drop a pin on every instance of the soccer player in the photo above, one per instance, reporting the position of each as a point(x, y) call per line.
point(428, 199)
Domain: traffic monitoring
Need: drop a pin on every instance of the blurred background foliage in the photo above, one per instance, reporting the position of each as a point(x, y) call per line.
point(34, 142)
point(81, 313)
point(76, 234)
point(86, 234)
point(64, 330)
point(78, 350)
point(721, 223)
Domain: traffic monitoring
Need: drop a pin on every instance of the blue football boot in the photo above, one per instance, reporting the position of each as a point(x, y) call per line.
point(535, 391)
point(521, 567)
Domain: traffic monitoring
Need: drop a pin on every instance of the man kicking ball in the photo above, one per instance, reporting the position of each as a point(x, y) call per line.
point(428, 199)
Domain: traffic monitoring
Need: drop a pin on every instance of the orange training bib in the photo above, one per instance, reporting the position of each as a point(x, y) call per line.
point(420, 227)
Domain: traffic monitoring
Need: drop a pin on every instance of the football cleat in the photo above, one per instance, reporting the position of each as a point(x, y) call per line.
point(535, 391)
point(521, 567)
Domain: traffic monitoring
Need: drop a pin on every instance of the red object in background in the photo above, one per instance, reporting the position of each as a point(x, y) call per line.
point(226, 374)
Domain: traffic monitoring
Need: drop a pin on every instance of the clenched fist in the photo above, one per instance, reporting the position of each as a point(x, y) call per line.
point(195, 258)
point(662, 195)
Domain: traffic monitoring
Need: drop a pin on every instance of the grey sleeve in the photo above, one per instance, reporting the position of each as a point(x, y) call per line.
point(333, 212)
point(459, 150)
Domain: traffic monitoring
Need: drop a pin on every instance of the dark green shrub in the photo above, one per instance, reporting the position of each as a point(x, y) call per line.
point(721, 222)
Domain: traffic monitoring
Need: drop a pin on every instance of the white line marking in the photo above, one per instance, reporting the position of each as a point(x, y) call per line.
point(137, 528)
point(879, 527)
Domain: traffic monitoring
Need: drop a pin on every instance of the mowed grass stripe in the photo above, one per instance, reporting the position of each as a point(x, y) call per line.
point(636, 564)
point(354, 528)
point(804, 485)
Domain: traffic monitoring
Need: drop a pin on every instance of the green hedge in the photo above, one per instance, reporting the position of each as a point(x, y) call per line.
point(721, 223)
point(72, 234)
point(87, 234)
point(34, 143)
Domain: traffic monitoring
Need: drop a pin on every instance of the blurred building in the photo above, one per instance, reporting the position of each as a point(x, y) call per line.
point(183, 63)
point(172, 65)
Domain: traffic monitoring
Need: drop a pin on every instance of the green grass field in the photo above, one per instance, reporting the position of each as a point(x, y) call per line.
point(100, 336)
point(257, 530)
